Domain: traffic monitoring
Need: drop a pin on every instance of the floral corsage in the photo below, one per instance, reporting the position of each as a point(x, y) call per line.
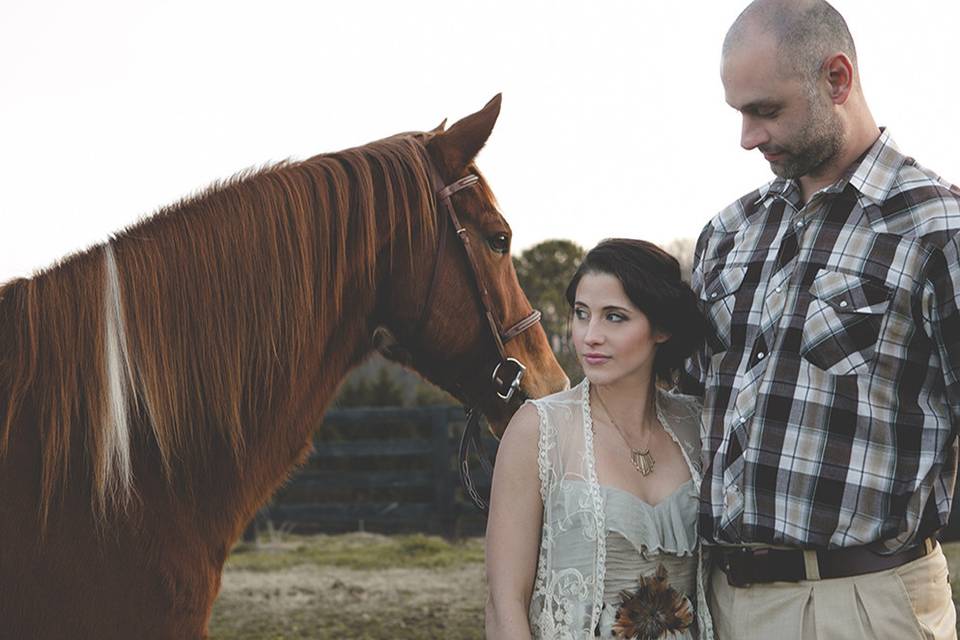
point(654, 611)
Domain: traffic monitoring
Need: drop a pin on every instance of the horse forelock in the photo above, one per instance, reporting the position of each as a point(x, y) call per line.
point(190, 324)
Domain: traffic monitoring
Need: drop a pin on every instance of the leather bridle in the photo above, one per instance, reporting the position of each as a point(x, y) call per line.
point(508, 372)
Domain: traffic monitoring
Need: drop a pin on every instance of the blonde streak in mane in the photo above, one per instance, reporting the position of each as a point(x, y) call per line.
point(114, 472)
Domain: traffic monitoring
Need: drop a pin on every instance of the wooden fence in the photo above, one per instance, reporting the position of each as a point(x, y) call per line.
point(389, 470)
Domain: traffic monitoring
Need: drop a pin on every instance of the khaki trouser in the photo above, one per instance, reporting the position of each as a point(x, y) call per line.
point(912, 601)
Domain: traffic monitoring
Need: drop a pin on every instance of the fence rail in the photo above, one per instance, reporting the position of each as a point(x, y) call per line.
point(362, 476)
point(344, 485)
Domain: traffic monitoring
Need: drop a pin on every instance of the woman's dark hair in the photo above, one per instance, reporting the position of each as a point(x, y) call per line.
point(651, 279)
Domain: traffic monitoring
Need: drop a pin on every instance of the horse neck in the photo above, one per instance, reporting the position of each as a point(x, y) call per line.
point(254, 365)
point(188, 361)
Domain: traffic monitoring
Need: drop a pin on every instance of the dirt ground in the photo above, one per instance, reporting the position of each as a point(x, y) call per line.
point(365, 587)
point(327, 601)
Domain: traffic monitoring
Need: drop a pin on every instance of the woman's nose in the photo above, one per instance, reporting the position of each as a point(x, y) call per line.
point(594, 334)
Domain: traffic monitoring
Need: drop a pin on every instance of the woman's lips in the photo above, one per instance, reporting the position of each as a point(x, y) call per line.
point(595, 359)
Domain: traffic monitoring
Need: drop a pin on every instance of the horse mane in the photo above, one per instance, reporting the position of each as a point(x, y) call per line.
point(171, 335)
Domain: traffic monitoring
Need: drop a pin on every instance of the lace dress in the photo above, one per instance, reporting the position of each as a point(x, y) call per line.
point(596, 540)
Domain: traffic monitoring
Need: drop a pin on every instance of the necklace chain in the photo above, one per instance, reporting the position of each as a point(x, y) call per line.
point(641, 458)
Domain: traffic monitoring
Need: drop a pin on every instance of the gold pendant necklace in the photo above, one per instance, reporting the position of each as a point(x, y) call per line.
point(642, 459)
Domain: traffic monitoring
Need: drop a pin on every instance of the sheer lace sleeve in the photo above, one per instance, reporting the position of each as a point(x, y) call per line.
point(565, 601)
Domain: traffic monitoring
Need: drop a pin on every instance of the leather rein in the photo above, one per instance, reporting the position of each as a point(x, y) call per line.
point(508, 372)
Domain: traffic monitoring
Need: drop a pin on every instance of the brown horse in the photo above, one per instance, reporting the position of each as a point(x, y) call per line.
point(156, 390)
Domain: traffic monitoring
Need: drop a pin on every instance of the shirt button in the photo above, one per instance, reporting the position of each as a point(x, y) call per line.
point(713, 295)
point(778, 289)
point(843, 303)
point(731, 497)
point(799, 223)
point(761, 355)
point(742, 420)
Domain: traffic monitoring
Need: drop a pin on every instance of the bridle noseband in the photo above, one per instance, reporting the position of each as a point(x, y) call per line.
point(508, 372)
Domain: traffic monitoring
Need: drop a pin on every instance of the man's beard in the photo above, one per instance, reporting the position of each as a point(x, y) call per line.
point(814, 147)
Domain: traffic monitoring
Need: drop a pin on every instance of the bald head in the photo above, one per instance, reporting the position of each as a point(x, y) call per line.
point(805, 32)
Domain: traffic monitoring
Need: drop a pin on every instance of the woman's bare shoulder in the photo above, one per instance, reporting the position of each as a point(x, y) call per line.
point(524, 427)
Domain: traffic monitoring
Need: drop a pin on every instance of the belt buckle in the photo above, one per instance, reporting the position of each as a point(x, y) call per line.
point(737, 566)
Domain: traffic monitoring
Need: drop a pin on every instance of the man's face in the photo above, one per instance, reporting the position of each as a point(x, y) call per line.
point(785, 116)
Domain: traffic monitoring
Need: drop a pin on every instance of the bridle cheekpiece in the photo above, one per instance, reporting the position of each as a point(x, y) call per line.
point(508, 373)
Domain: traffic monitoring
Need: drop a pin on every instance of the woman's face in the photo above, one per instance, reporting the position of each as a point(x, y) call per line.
point(614, 340)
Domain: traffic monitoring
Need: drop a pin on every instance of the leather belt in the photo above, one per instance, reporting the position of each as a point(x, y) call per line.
point(745, 566)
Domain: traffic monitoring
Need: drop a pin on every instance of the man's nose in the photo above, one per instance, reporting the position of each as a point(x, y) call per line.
point(752, 134)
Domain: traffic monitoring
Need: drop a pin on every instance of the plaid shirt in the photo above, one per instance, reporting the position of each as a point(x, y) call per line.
point(831, 377)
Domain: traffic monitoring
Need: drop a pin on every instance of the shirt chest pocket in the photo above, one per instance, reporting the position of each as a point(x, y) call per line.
point(843, 322)
point(719, 304)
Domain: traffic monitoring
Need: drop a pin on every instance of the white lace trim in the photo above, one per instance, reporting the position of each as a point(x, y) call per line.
point(543, 444)
point(665, 423)
point(589, 461)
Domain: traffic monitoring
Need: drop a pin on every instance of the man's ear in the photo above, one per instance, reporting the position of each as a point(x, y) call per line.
point(456, 147)
point(839, 71)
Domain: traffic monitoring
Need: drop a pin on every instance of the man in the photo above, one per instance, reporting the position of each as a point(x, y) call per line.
point(832, 376)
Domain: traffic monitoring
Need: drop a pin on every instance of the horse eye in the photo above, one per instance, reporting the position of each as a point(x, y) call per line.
point(499, 242)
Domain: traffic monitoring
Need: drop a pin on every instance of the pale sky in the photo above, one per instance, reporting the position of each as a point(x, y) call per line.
point(613, 119)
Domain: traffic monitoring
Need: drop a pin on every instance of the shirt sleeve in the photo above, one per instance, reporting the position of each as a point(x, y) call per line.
point(693, 376)
point(943, 318)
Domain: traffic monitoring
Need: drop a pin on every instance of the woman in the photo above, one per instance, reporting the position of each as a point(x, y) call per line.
point(592, 526)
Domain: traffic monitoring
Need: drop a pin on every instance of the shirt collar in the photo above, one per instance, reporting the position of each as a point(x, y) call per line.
point(876, 173)
point(873, 174)
point(779, 188)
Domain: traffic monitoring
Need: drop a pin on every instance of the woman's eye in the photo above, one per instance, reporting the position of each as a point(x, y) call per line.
point(499, 242)
point(615, 317)
point(580, 314)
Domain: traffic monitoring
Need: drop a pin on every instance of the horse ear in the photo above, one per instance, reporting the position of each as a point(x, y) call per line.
point(459, 145)
point(440, 127)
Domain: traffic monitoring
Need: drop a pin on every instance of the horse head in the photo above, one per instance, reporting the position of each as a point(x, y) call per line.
point(457, 314)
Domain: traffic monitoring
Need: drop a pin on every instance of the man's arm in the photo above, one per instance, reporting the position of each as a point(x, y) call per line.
point(693, 375)
point(942, 313)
